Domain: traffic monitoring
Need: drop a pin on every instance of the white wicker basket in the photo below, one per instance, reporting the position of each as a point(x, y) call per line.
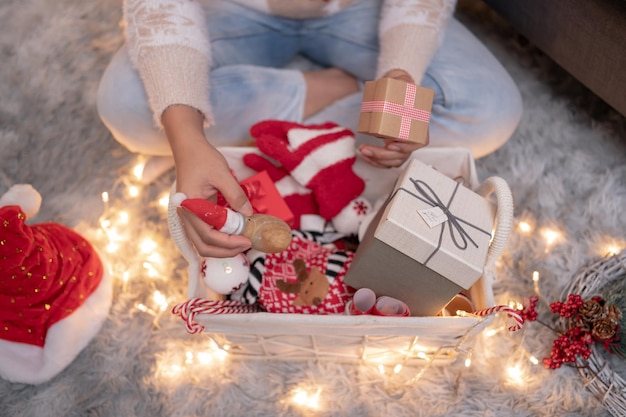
point(407, 340)
point(596, 278)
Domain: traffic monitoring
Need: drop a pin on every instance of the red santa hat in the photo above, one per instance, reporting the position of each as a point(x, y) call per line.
point(54, 293)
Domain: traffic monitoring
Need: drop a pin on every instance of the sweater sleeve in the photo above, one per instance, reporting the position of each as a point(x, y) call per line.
point(410, 32)
point(170, 48)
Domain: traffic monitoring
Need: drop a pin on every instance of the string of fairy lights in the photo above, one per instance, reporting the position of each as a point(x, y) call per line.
point(135, 255)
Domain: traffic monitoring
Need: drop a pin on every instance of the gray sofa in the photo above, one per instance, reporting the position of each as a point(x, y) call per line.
point(587, 38)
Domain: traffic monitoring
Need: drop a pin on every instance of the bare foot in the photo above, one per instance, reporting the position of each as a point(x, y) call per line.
point(326, 86)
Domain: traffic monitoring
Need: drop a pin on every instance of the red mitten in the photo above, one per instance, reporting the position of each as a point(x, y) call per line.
point(299, 199)
point(319, 157)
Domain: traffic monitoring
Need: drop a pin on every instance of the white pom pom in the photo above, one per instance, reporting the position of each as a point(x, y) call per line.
point(25, 196)
point(370, 216)
point(350, 218)
point(178, 198)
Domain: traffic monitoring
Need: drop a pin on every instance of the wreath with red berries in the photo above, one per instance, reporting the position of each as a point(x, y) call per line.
point(585, 322)
point(589, 326)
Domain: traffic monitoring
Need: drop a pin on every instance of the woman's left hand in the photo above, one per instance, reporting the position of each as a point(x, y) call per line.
point(393, 154)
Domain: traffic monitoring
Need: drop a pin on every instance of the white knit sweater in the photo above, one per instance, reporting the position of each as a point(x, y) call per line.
point(170, 48)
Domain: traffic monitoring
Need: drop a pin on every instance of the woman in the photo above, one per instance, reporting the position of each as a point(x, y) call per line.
point(194, 75)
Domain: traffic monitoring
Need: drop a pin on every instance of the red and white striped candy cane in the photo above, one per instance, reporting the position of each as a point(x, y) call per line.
point(511, 313)
point(191, 308)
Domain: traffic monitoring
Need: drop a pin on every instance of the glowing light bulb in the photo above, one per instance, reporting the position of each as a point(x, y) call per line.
point(533, 360)
point(381, 368)
point(304, 398)
point(613, 250)
point(115, 236)
point(160, 300)
point(164, 200)
point(188, 357)
point(152, 272)
point(147, 245)
point(142, 307)
point(112, 247)
point(516, 374)
point(138, 170)
point(105, 197)
point(524, 227)
point(133, 191)
point(123, 217)
point(221, 354)
point(173, 370)
point(468, 359)
point(397, 368)
point(551, 236)
point(155, 258)
point(491, 332)
point(204, 358)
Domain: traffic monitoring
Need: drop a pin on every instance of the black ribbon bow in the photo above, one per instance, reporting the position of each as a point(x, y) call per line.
point(458, 234)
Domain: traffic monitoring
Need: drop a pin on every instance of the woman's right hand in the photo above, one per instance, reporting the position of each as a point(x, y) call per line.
point(202, 171)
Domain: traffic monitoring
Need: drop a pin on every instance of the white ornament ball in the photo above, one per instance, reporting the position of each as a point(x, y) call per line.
point(225, 275)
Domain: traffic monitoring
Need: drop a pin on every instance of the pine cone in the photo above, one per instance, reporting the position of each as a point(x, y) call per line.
point(604, 329)
point(589, 312)
point(614, 314)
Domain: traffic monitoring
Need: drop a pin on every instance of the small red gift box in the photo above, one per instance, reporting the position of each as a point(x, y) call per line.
point(396, 109)
point(264, 197)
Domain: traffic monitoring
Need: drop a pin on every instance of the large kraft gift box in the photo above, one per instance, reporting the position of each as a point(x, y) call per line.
point(395, 109)
point(427, 243)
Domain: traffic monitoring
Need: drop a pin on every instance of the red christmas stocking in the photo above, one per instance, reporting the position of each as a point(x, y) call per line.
point(319, 157)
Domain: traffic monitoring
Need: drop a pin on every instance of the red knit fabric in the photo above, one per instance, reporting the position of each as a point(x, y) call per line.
point(47, 271)
point(334, 185)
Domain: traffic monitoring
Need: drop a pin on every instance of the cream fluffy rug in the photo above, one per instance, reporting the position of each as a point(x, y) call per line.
point(566, 166)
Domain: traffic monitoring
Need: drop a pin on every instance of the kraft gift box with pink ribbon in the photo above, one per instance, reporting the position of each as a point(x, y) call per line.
point(396, 109)
point(428, 242)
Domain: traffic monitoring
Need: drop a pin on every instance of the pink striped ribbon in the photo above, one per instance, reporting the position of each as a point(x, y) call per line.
point(406, 111)
point(191, 308)
point(518, 320)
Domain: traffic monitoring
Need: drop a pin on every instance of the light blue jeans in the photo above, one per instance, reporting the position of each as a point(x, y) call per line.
point(256, 75)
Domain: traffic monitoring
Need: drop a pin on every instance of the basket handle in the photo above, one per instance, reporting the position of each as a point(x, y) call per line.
point(504, 216)
point(177, 231)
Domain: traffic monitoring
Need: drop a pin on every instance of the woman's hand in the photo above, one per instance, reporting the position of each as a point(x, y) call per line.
point(394, 152)
point(202, 171)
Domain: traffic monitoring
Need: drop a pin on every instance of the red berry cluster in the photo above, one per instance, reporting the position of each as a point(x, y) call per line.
point(529, 312)
point(575, 342)
point(588, 321)
point(565, 348)
point(569, 307)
